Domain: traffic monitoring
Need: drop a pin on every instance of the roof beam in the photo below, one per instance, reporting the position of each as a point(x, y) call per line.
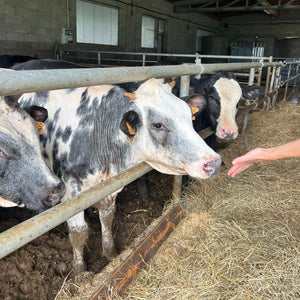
point(235, 8)
point(272, 12)
point(189, 2)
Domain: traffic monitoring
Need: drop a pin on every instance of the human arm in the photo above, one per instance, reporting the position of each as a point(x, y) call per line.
point(288, 150)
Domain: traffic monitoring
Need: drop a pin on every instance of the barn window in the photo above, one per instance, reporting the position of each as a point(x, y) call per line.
point(148, 32)
point(96, 23)
point(153, 30)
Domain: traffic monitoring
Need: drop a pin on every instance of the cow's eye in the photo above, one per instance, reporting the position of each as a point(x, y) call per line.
point(158, 126)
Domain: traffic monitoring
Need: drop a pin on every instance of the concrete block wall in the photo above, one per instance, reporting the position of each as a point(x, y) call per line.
point(33, 27)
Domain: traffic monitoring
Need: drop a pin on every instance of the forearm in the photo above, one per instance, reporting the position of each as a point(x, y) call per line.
point(291, 149)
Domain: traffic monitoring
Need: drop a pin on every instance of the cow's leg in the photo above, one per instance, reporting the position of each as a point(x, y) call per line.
point(78, 233)
point(107, 208)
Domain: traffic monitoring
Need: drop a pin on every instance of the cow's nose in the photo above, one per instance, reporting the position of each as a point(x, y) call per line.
point(55, 196)
point(228, 133)
point(212, 167)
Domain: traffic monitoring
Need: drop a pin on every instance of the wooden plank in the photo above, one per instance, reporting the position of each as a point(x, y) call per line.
point(126, 272)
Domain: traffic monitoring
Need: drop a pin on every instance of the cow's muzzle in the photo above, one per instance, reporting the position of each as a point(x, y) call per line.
point(212, 167)
point(55, 195)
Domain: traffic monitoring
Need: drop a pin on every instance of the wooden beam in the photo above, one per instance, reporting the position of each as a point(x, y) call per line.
point(127, 271)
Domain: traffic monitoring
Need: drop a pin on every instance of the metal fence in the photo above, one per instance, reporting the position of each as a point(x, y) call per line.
point(41, 80)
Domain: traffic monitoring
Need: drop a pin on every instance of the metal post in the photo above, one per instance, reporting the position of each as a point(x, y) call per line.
point(267, 83)
point(144, 60)
point(184, 91)
point(247, 102)
point(287, 84)
point(276, 86)
point(99, 58)
point(271, 90)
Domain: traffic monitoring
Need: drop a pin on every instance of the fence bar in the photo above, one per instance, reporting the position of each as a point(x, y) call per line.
point(184, 91)
point(23, 233)
point(15, 83)
point(247, 101)
point(61, 51)
point(287, 85)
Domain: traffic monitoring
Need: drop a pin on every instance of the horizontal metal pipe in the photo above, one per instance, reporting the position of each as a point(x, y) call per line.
point(166, 54)
point(286, 81)
point(18, 82)
point(23, 233)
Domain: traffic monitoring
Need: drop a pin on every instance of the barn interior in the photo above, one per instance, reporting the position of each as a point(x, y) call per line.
point(243, 233)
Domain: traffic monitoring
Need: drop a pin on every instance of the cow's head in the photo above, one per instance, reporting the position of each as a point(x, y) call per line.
point(161, 133)
point(223, 93)
point(25, 180)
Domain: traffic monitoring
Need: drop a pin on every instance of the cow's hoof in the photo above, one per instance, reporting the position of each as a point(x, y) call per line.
point(110, 255)
point(79, 268)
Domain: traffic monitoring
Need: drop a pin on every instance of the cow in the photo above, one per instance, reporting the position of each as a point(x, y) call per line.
point(94, 133)
point(8, 61)
point(219, 93)
point(41, 64)
point(25, 180)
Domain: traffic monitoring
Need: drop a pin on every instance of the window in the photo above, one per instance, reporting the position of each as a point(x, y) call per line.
point(153, 30)
point(96, 23)
point(148, 32)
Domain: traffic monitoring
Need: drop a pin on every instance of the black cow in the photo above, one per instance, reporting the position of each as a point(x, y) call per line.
point(8, 61)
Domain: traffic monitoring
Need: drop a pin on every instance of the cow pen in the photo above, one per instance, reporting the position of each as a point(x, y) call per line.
point(29, 81)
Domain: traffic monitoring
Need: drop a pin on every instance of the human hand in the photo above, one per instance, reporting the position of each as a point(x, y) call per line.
point(244, 162)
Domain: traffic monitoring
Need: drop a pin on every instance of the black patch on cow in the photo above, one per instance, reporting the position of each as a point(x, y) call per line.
point(83, 108)
point(95, 143)
point(45, 154)
point(133, 120)
point(43, 140)
point(66, 134)
point(41, 98)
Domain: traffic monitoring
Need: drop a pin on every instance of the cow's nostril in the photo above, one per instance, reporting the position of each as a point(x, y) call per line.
point(212, 167)
point(55, 195)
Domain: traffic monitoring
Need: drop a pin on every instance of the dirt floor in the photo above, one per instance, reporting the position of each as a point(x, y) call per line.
point(38, 270)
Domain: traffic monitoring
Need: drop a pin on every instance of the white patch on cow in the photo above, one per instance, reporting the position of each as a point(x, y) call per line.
point(230, 93)
point(189, 152)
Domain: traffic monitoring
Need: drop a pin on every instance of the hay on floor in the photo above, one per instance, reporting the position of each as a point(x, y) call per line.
point(241, 237)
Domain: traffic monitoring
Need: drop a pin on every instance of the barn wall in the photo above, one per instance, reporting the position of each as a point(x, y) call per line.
point(280, 34)
point(33, 27)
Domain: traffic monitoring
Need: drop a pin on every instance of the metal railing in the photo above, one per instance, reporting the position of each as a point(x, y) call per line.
point(98, 57)
point(12, 82)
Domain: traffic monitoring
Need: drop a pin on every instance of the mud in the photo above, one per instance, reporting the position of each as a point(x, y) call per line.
point(38, 270)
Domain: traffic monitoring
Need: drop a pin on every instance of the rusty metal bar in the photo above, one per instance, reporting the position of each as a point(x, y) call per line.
point(23, 233)
point(15, 83)
point(126, 272)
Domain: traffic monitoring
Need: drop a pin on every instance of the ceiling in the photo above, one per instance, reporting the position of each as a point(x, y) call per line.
point(227, 8)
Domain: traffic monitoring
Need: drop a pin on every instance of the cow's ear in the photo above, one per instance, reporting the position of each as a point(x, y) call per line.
point(197, 101)
point(252, 91)
point(130, 124)
point(38, 113)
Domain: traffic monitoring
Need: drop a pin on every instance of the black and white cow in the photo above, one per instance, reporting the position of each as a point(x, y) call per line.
point(219, 94)
point(93, 133)
point(25, 180)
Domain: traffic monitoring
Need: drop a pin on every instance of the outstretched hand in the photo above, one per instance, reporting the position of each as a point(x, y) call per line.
point(241, 163)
